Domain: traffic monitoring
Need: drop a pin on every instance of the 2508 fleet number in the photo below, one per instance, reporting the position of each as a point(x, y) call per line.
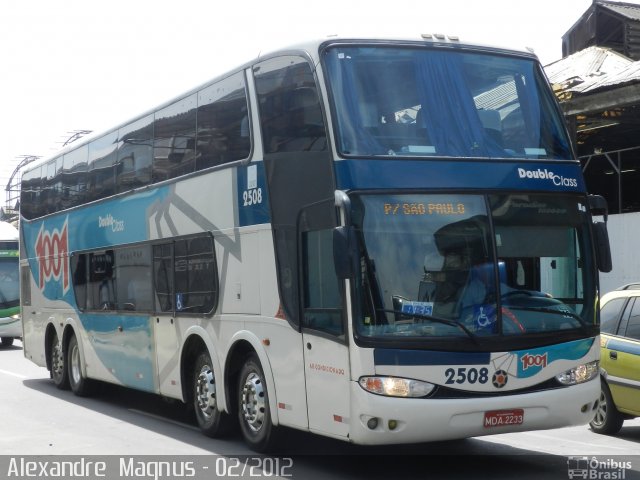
point(252, 197)
point(466, 375)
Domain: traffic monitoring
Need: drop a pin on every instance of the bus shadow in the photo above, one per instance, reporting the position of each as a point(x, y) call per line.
point(145, 410)
point(9, 348)
point(320, 457)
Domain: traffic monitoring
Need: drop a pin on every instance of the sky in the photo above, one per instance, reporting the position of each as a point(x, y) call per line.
point(71, 65)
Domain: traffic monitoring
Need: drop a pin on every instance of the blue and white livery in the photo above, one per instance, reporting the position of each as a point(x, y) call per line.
point(378, 240)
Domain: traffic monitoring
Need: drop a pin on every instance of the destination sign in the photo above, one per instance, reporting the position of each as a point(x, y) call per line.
point(424, 209)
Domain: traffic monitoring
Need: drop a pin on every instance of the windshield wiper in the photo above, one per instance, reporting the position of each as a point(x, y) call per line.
point(431, 318)
point(564, 313)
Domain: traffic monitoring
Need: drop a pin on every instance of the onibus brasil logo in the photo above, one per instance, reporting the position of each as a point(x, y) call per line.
point(52, 247)
point(596, 469)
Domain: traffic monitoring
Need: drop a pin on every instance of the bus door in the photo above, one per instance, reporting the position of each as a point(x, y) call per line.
point(326, 352)
point(167, 343)
point(167, 346)
point(300, 179)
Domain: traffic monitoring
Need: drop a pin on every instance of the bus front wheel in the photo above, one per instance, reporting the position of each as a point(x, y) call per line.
point(80, 385)
point(254, 414)
point(57, 362)
point(211, 420)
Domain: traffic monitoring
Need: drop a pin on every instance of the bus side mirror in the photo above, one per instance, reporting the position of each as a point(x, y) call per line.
point(598, 207)
point(603, 249)
point(344, 243)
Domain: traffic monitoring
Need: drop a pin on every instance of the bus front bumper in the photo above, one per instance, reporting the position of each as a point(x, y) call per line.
point(413, 420)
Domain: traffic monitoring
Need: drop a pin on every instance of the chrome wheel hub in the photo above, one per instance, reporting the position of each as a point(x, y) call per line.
point(206, 391)
point(253, 402)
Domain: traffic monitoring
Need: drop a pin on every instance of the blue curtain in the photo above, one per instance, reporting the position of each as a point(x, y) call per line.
point(450, 114)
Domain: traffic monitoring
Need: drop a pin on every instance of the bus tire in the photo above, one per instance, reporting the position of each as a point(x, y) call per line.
point(212, 422)
point(254, 414)
point(80, 385)
point(608, 420)
point(6, 341)
point(59, 371)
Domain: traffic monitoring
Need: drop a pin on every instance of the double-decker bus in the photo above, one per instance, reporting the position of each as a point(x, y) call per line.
point(10, 325)
point(380, 241)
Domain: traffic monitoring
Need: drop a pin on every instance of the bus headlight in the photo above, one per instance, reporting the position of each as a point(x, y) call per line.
point(396, 387)
point(579, 374)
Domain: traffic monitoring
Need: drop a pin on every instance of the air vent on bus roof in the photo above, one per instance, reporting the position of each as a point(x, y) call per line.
point(440, 36)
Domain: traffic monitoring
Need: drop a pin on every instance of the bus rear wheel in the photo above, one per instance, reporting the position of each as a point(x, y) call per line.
point(57, 362)
point(254, 414)
point(6, 341)
point(80, 385)
point(211, 420)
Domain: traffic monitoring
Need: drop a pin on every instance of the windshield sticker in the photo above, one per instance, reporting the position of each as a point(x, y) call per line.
point(427, 149)
point(485, 317)
point(542, 208)
point(179, 301)
point(417, 308)
point(535, 151)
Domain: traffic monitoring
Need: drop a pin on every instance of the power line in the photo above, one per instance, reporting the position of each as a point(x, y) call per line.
point(11, 211)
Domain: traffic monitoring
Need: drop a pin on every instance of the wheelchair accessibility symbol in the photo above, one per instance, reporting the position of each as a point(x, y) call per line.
point(179, 301)
point(484, 316)
point(482, 319)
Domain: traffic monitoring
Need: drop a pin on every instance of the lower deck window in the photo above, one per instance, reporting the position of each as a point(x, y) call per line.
point(179, 275)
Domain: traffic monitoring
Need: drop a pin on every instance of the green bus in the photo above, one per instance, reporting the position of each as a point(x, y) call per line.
point(10, 324)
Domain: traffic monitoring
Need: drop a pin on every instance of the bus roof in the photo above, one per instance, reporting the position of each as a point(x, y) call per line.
point(311, 48)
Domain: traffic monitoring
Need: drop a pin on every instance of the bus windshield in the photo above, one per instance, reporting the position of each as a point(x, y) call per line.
point(412, 101)
point(9, 282)
point(442, 265)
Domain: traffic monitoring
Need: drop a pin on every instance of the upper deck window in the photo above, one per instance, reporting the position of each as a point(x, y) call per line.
point(204, 129)
point(447, 103)
point(290, 115)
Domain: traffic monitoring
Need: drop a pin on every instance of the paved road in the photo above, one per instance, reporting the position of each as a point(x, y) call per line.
point(38, 419)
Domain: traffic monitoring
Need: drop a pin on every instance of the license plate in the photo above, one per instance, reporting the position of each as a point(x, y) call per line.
point(503, 418)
